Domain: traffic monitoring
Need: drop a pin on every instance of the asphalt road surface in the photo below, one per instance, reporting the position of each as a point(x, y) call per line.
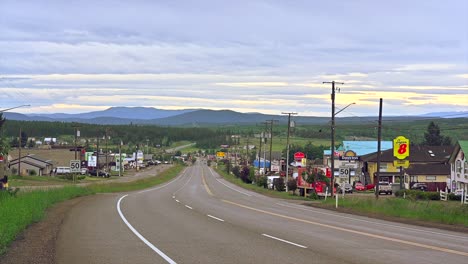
point(200, 218)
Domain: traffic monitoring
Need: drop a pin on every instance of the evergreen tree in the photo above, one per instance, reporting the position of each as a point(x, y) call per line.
point(433, 137)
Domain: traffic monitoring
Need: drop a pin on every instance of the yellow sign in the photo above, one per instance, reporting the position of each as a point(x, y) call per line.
point(304, 162)
point(220, 154)
point(401, 147)
point(401, 163)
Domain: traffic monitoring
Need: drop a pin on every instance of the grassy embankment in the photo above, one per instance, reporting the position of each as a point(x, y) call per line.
point(450, 212)
point(17, 213)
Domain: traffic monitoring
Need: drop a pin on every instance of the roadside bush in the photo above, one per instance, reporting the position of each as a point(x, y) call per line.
point(208, 162)
point(245, 175)
point(454, 197)
point(292, 185)
point(418, 195)
point(262, 181)
point(313, 196)
point(278, 184)
point(32, 173)
point(236, 171)
point(14, 170)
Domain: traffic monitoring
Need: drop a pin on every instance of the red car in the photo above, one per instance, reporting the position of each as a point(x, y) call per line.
point(360, 187)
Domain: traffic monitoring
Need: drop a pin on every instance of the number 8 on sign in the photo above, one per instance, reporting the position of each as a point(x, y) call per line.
point(401, 147)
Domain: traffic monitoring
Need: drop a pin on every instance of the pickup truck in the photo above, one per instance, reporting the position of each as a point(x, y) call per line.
point(385, 187)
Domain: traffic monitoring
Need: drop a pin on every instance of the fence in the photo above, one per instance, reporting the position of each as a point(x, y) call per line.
point(443, 195)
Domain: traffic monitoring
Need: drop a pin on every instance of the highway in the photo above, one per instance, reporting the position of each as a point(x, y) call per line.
point(200, 218)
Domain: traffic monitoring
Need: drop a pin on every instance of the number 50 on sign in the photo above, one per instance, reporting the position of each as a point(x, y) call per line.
point(401, 147)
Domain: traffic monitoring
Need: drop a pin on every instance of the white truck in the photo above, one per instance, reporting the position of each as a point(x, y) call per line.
point(385, 187)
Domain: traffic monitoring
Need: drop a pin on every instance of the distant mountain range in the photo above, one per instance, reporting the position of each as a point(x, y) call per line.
point(201, 117)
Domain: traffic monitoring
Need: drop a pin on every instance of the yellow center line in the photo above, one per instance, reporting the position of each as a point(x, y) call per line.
point(206, 185)
point(353, 231)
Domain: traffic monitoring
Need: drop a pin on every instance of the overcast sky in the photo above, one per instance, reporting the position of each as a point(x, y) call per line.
point(247, 56)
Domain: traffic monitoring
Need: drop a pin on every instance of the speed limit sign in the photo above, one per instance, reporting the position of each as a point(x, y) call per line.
point(75, 166)
point(345, 172)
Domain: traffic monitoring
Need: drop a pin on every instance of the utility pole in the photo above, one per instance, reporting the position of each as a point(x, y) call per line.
point(97, 156)
point(287, 147)
point(19, 153)
point(107, 150)
point(270, 122)
point(120, 158)
point(260, 150)
point(75, 126)
point(379, 138)
point(332, 154)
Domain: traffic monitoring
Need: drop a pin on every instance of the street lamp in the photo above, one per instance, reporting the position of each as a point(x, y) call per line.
point(4, 110)
point(342, 109)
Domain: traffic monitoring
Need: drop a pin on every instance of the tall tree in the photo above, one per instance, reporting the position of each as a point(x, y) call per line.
point(433, 137)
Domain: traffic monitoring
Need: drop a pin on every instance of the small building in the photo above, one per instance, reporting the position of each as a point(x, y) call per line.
point(459, 167)
point(32, 162)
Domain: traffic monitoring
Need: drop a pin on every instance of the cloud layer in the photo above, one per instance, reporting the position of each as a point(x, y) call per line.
point(248, 56)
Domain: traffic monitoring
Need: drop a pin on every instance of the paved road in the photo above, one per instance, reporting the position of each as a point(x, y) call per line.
point(200, 218)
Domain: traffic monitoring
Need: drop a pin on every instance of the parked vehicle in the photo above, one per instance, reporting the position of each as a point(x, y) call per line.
point(101, 173)
point(385, 187)
point(62, 170)
point(419, 186)
point(348, 188)
point(359, 187)
point(84, 171)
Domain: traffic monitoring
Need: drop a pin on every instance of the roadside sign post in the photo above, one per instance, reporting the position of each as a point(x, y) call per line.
point(401, 151)
point(75, 167)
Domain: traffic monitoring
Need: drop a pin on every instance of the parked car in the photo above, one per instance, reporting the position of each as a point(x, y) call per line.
point(84, 171)
point(101, 173)
point(348, 188)
point(62, 170)
point(359, 187)
point(419, 186)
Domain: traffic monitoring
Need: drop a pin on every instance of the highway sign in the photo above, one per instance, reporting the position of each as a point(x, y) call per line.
point(401, 147)
point(345, 172)
point(75, 166)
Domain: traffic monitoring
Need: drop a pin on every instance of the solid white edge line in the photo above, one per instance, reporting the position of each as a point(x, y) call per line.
point(162, 186)
point(229, 186)
point(285, 241)
point(372, 222)
point(189, 207)
point(216, 218)
point(155, 249)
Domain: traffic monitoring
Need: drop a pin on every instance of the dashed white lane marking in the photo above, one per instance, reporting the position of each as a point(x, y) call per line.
point(155, 249)
point(189, 207)
point(177, 201)
point(216, 218)
point(285, 241)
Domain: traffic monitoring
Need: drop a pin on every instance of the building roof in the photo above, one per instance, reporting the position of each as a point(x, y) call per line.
point(461, 145)
point(29, 162)
point(419, 154)
point(33, 157)
point(362, 147)
point(428, 169)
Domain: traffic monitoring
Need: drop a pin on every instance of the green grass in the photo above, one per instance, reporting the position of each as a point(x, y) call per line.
point(18, 212)
point(451, 212)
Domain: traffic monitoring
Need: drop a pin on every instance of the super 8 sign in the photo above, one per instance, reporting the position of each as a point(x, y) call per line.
point(401, 147)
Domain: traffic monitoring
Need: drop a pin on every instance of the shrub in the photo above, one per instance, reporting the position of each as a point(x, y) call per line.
point(278, 184)
point(14, 170)
point(292, 185)
point(32, 173)
point(418, 195)
point(262, 181)
point(245, 175)
point(313, 196)
point(454, 197)
point(208, 162)
point(236, 171)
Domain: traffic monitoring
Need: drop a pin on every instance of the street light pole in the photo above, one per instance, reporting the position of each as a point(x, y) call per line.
point(287, 147)
point(332, 154)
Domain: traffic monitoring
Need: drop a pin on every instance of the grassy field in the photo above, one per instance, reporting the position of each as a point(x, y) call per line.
point(18, 212)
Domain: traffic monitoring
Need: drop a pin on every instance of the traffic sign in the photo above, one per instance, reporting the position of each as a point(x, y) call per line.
point(75, 166)
point(401, 147)
point(345, 172)
point(401, 163)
